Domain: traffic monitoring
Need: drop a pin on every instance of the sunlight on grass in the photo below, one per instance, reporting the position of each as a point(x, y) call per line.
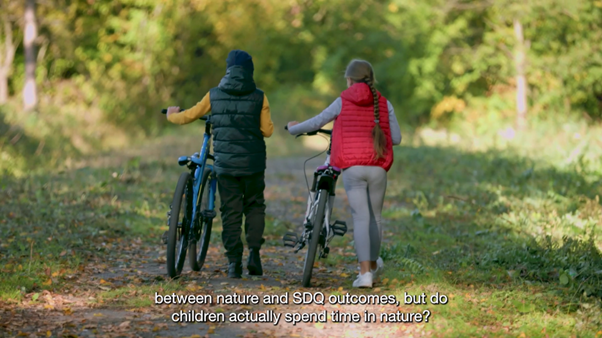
point(515, 239)
point(139, 295)
point(80, 214)
point(41, 272)
point(483, 311)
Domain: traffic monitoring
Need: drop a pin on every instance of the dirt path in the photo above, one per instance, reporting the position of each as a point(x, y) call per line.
point(138, 269)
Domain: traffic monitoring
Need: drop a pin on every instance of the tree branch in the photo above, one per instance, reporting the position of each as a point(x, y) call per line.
point(9, 45)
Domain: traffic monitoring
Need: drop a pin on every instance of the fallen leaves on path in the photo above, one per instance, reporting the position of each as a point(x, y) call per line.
point(109, 293)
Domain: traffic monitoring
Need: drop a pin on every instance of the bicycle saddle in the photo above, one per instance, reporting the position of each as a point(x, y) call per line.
point(321, 168)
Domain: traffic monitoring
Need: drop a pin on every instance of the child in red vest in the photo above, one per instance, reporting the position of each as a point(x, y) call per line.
point(365, 130)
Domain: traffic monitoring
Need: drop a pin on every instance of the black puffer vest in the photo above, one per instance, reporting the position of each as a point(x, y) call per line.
point(238, 144)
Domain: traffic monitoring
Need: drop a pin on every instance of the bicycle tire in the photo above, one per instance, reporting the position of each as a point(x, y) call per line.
point(310, 255)
point(176, 250)
point(197, 259)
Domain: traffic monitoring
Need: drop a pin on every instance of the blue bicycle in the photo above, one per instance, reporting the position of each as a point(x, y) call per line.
point(192, 209)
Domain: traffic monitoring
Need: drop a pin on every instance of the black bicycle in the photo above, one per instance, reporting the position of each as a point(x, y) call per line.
point(317, 230)
point(192, 209)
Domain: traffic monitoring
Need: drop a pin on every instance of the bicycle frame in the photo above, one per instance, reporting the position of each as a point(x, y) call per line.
point(197, 165)
point(325, 178)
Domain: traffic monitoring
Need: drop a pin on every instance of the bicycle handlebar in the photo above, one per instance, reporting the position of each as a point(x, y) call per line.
point(315, 132)
point(164, 111)
point(323, 131)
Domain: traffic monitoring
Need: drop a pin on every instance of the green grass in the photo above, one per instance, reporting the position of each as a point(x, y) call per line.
point(54, 223)
point(509, 232)
point(139, 296)
point(516, 240)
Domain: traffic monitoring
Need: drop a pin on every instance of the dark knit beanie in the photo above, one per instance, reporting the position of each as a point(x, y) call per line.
point(239, 57)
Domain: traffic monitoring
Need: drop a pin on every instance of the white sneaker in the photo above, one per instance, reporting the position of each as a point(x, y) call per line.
point(363, 280)
point(380, 265)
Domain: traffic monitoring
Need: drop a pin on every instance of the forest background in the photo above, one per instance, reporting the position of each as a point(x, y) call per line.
point(78, 77)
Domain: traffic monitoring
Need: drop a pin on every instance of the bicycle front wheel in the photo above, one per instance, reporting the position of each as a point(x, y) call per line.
point(179, 222)
point(314, 239)
point(203, 231)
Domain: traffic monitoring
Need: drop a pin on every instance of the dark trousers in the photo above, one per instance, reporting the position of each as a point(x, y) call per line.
point(242, 195)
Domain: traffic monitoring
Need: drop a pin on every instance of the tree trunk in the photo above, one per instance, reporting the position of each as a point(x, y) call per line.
point(521, 81)
point(3, 86)
point(30, 95)
point(7, 55)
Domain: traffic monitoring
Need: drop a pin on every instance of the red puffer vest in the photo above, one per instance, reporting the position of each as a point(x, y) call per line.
point(352, 142)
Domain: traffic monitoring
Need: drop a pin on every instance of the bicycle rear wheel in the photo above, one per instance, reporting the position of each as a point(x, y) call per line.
point(317, 222)
point(203, 231)
point(179, 222)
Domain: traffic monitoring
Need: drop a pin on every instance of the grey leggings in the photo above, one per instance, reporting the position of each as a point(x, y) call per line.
point(365, 186)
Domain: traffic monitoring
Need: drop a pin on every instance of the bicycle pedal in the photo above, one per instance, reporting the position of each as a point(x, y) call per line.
point(325, 252)
point(339, 228)
point(209, 214)
point(290, 239)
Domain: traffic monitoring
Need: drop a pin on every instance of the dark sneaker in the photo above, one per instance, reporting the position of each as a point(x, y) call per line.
point(254, 263)
point(235, 270)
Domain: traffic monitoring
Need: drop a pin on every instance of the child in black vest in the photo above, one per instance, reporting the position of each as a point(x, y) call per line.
point(240, 115)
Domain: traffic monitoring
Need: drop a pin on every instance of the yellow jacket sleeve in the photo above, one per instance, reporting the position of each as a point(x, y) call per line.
point(267, 126)
point(187, 116)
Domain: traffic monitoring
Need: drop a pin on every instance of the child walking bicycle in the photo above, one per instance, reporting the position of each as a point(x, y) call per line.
point(365, 130)
point(240, 115)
